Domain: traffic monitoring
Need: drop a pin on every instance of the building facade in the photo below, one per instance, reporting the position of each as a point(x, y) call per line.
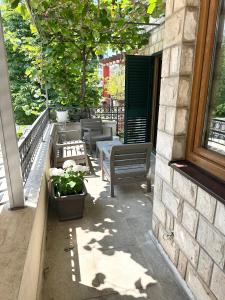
point(189, 205)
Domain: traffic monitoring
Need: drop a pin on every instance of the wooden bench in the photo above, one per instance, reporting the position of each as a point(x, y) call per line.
point(127, 164)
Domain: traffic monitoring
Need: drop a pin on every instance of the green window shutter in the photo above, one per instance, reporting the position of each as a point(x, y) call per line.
point(139, 74)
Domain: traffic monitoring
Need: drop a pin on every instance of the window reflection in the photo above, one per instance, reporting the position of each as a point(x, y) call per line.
point(214, 137)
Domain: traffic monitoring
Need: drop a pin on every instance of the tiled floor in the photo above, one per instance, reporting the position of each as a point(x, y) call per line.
point(109, 254)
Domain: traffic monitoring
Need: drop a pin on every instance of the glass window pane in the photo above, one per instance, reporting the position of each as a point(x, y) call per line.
point(214, 135)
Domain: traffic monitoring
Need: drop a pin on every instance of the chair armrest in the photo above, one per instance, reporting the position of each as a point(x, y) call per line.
point(106, 153)
point(90, 129)
point(68, 131)
point(107, 130)
point(58, 145)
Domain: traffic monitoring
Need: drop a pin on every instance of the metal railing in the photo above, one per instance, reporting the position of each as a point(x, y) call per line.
point(111, 113)
point(217, 131)
point(28, 144)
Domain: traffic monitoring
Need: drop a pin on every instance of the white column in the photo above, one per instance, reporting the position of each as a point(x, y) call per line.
point(8, 137)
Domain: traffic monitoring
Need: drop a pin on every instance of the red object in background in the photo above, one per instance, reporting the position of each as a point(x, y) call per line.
point(106, 74)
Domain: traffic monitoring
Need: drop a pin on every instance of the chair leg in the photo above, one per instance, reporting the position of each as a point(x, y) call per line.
point(112, 189)
point(90, 147)
point(149, 187)
point(103, 175)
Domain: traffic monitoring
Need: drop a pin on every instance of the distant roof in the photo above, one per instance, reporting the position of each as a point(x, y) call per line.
point(111, 59)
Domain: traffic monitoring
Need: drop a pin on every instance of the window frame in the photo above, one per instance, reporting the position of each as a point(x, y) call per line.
point(205, 158)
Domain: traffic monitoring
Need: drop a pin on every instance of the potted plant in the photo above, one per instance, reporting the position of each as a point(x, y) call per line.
point(62, 113)
point(68, 190)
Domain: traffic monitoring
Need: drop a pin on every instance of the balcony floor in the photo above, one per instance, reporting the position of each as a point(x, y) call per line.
point(109, 253)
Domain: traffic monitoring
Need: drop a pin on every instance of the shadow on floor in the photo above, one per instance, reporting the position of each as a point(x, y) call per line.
point(108, 254)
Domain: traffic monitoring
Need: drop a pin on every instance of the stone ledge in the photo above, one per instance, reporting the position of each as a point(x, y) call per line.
point(22, 233)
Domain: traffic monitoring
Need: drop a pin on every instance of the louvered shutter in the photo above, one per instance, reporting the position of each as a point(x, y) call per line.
point(139, 75)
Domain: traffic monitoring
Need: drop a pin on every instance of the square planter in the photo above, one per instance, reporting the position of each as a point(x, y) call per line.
point(71, 206)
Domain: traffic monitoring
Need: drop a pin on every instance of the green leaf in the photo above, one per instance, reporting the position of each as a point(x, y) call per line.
point(14, 3)
point(152, 6)
point(71, 184)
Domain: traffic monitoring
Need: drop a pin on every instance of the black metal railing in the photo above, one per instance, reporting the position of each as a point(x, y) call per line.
point(217, 131)
point(29, 143)
point(111, 113)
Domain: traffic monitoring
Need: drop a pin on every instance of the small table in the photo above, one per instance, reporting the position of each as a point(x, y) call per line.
point(105, 146)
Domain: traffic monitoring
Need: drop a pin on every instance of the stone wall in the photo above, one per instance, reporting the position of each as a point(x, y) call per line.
point(155, 41)
point(187, 221)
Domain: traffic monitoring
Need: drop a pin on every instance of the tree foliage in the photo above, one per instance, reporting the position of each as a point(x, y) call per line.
point(115, 84)
point(23, 52)
point(76, 33)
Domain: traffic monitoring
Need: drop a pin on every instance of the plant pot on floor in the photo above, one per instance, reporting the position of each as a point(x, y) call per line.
point(71, 206)
point(62, 116)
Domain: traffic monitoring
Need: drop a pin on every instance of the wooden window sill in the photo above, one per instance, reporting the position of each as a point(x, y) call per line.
point(211, 184)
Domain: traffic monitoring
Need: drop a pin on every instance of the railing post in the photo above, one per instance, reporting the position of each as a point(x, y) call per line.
point(117, 120)
point(8, 137)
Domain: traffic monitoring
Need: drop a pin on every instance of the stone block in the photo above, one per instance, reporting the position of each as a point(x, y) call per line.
point(185, 188)
point(171, 201)
point(160, 45)
point(157, 188)
point(184, 92)
point(178, 4)
point(193, 3)
point(163, 169)
point(205, 265)
point(181, 121)
point(198, 288)
point(154, 37)
point(186, 243)
point(162, 117)
point(168, 245)
point(160, 211)
point(170, 119)
point(169, 221)
point(218, 283)
point(169, 91)
point(179, 146)
point(220, 217)
point(206, 204)
point(169, 7)
point(156, 47)
point(175, 60)
point(174, 29)
point(190, 25)
point(155, 226)
point(212, 241)
point(186, 60)
point(182, 264)
point(190, 219)
point(159, 35)
point(165, 63)
point(164, 144)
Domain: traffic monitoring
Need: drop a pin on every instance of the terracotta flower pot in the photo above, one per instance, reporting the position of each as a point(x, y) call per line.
point(71, 206)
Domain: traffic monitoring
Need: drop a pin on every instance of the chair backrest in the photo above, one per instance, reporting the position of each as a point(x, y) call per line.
point(92, 124)
point(131, 154)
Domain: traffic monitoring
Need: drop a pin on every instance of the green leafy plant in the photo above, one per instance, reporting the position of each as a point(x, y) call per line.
point(156, 8)
point(24, 64)
point(74, 34)
point(68, 181)
point(220, 110)
point(115, 84)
